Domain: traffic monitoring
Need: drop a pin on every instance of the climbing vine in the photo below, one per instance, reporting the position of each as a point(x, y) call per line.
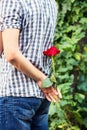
point(71, 66)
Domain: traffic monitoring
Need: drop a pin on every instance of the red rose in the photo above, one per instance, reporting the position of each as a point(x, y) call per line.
point(53, 51)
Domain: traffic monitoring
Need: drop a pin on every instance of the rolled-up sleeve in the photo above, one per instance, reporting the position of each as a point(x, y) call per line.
point(10, 14)
point(0, 16)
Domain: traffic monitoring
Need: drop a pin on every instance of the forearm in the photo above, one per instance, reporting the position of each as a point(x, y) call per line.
point(25, 66)
point(15, 57)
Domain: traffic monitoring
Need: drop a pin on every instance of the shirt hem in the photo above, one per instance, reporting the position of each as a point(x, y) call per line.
point(36, 96)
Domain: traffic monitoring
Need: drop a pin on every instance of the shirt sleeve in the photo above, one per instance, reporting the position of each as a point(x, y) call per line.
point(10, 14)
point(0, 16)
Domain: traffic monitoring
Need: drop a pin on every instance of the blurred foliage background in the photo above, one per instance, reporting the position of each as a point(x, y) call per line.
point(71, 67)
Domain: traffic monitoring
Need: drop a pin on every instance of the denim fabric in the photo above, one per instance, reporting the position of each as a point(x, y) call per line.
point(18, 113)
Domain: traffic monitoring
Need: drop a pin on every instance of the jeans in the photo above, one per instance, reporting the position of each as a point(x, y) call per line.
point(18, 113)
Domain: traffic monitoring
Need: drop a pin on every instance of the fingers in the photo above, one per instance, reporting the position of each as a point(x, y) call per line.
point(50, 90)
point(59, 93)
point(47, 97)
point(50, 97)
point(52, 94)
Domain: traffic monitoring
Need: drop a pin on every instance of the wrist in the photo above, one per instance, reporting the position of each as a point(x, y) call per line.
point(39, 82)
point(46, 83)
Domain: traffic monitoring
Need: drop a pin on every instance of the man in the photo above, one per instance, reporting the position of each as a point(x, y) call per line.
point(27, 30)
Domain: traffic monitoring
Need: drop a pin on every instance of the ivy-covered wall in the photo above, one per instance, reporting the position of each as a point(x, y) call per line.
point(71, 67)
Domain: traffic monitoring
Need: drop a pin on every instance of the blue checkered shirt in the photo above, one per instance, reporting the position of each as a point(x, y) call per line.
point(36, 20)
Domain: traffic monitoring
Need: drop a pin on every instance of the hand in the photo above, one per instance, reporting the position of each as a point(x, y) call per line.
point(52, 94)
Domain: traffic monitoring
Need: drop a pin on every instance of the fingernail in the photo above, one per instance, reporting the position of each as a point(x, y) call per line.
point(60, 95)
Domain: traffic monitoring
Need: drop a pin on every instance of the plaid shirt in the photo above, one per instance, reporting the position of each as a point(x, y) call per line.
point(36, 20)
